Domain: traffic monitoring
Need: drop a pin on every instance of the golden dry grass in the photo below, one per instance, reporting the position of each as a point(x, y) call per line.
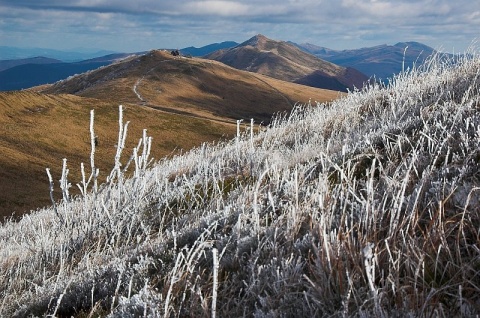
point(186, 101)
point(201, 87)
point(214, 89)
point(39, 130)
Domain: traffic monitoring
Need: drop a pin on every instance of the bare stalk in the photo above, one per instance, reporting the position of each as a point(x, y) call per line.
point(215, 282)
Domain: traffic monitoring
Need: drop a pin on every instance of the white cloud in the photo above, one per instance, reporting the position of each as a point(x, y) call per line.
point(220, 8)
point(337, 24)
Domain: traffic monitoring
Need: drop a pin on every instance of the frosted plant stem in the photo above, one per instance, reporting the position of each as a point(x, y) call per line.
point(64, 182)
point(59, 300)
point(238, 129)
point(215, 282)
point(251, 132)
point(92, 153)
point(50, 180)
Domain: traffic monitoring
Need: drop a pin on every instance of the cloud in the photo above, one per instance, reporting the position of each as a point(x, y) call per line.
point(340, 23)
point(289, 10)
point(219, 8)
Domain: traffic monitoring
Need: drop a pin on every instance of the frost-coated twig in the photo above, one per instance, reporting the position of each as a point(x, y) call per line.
point(64, 185)
point(54, 204)
point(122, 136)
point(370, 266)
point(238, 129)
point(93, 141)
point(251, 133)
point(59, 300)
point(119, 282)
point(215, 282)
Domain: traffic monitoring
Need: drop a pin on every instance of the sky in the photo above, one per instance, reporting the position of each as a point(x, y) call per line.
point(137, 25)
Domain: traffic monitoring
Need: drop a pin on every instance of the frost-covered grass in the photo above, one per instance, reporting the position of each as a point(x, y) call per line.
point(369, 206)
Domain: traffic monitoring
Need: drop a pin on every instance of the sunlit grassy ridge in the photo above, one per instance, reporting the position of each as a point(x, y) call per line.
point(369, 206)
point(39, 130)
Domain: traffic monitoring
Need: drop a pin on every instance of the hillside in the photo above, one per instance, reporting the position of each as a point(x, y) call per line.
point(368, 206)
point(199, 87)
point(159, 90)
point(382, 61)
point(285, 61)
point(39, 130)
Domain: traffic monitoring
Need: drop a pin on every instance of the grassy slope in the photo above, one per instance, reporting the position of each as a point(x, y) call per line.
point(215, 90)
point(367, 207)
point(37, 131)
point(197, 86)
point(188, 101)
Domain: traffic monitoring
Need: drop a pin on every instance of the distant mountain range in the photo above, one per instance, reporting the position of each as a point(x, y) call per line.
point(278, 59)
point(204, 50)
point(26, 73)
point(380, 61)
point(15, 53)
point(6, 64)
point(285, 61)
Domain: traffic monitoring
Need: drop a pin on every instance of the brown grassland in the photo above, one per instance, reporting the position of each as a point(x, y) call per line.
point(200, 87)
point(184, 102)
point(39, 130)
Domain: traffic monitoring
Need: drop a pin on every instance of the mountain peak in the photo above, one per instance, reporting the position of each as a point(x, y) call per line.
point(285, 61)
point(260, 37)
point(257, 41)
point(415, 45)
